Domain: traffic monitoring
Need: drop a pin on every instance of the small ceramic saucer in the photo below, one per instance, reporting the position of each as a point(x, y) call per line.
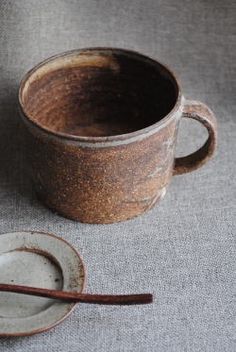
point(40, 260)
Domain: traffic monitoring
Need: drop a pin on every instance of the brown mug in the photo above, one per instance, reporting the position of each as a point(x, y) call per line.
point(102, 126)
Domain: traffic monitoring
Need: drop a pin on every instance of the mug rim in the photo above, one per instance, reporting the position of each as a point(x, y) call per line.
point(102, 139)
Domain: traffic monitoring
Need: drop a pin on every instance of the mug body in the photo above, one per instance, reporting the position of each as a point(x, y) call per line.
point(101, 132)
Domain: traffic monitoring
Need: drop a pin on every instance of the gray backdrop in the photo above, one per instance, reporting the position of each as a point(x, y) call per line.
point(184, 249)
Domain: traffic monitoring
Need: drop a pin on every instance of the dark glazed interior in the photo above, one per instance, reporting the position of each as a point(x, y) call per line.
point(99, 93)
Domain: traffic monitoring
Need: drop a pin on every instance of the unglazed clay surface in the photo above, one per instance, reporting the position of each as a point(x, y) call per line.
point(99, 94)
point(102, 129)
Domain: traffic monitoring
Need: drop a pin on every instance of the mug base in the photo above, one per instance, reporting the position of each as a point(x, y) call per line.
point(102, 221)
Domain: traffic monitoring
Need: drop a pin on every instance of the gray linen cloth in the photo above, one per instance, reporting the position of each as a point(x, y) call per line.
point(183, 250)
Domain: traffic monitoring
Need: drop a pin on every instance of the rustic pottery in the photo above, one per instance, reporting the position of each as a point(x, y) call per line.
point(41, 280)
point(102, 126)
point(41, 260)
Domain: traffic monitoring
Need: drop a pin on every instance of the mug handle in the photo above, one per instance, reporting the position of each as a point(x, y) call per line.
point(200, 112)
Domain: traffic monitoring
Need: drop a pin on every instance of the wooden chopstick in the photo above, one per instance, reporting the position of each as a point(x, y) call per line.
point(144, 298)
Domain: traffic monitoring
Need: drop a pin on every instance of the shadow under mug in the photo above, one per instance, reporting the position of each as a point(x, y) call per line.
point(102, 126)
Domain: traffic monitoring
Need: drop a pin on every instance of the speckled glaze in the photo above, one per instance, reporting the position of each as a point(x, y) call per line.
point(40, 260)
point(102, 126)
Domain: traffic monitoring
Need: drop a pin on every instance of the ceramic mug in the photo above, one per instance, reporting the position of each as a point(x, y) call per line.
point(102, 126)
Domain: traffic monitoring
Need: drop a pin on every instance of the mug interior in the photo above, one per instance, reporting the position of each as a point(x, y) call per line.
point(98, 93)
